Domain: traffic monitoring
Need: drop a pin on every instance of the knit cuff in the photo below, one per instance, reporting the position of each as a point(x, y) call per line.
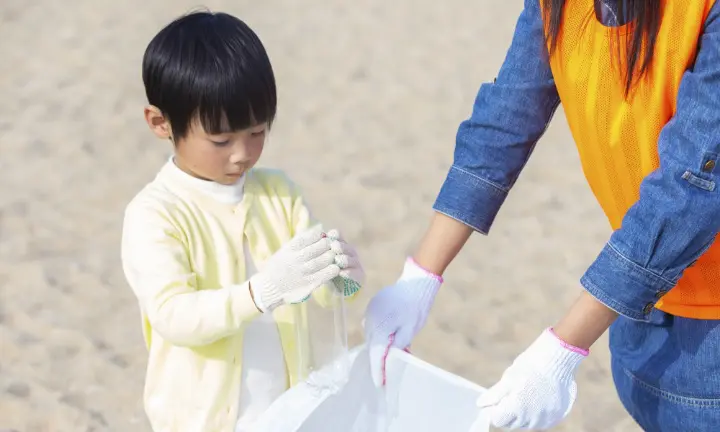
point(411, 261)
point(557, 359)
point(413, 270)
point(267, 296)
point(424, 284)
point(573, 348)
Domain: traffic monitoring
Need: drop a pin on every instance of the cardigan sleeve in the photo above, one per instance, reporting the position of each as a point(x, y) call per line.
point(156, 264)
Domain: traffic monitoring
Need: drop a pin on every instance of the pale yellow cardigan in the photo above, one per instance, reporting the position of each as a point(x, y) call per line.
point(183, 258)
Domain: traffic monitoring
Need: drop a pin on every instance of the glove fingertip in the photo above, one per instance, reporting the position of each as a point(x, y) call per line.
point(483, 401)
point(341, 260)
point(402, 338)
point(490, 397)
point(484, 404)
point(307, 237)
point(377, 363)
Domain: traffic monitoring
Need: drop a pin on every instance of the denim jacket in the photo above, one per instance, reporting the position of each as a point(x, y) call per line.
point(648, 255)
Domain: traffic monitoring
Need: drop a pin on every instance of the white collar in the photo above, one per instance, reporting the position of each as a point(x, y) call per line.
point(228, 194)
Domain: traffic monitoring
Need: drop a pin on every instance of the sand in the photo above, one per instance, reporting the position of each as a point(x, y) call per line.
point(370, 94)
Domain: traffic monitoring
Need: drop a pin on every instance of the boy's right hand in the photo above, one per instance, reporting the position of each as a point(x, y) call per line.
point(396, 313)
point(293, 272)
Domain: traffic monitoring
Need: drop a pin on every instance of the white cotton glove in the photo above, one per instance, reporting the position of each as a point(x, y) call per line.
point(352, 274)
point(293, 272)
point(397, 313)
point(538, 390)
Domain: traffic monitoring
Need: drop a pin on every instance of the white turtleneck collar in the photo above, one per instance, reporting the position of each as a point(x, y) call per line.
point(228, 194)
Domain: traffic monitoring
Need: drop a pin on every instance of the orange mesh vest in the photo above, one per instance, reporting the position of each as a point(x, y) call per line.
point(617, 138)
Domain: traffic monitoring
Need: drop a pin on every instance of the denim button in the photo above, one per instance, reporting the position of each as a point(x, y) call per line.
point(709, 165)
point(648, 308)
point(661, 293)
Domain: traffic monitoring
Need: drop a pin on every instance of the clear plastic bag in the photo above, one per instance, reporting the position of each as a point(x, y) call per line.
point(323, 340)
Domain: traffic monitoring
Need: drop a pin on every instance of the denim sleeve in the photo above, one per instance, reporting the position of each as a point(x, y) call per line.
point(678, 214)
point(509, 116)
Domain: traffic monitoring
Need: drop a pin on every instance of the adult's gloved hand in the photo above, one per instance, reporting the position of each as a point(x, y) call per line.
point(396, 313)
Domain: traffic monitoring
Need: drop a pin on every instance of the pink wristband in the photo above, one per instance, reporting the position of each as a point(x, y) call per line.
point(426, 271)
point(582, 352)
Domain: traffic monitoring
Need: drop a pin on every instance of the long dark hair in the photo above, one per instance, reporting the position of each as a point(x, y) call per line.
point(639, 44)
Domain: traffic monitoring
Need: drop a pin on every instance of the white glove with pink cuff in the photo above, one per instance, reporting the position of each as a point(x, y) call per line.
point(538, 390)
point(397, 313)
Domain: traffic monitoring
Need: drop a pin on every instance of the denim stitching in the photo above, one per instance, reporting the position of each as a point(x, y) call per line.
point(638, 267)
point(608, 301)
point(534, 144)
point(700, 182)
point(496, 186)
point(683, 400)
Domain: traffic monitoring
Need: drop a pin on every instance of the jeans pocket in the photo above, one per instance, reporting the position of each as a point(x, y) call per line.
point(671, 397)
point(658, 410)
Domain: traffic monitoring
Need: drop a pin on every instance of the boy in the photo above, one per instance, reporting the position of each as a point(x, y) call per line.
point(216, 251)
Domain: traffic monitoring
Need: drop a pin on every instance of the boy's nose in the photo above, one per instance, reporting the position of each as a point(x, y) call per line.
point(239, 158)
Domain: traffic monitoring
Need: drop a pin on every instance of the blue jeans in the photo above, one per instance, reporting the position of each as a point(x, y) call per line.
point(667, 372)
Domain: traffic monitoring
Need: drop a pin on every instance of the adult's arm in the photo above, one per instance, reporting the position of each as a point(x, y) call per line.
point(677, 216)
point(508, 118)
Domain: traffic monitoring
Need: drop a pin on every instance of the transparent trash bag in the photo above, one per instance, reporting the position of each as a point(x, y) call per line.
point(322, 346)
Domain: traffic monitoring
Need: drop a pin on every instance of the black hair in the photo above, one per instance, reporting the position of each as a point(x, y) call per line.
point(213, 67)
point(639, 48)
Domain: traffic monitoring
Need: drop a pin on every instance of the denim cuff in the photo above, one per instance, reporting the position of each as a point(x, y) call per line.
point(470, 199)
point(623, 286)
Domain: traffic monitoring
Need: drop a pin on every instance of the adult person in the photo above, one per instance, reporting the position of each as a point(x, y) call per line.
point(639, 81)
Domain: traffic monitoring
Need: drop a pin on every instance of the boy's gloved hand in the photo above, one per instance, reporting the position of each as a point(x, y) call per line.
point(301, 265)
point(538, 390)
point(397, 313)
point(352, 274)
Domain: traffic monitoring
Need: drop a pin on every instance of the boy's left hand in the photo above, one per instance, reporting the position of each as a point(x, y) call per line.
point(349, 262)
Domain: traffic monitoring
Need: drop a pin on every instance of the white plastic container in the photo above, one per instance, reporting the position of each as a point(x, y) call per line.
point(418, 397)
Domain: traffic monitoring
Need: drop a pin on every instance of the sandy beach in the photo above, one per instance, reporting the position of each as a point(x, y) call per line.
point(370, 97)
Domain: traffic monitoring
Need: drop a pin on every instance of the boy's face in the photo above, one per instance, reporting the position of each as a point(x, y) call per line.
point(222, 158)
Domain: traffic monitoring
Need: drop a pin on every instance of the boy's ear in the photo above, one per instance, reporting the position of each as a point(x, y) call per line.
point(157, 122)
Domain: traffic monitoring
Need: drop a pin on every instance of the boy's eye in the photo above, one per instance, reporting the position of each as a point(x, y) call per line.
point(258, 133)
point(220, 143)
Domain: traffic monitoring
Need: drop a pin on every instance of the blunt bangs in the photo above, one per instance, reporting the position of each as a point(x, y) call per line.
point(209, 67)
